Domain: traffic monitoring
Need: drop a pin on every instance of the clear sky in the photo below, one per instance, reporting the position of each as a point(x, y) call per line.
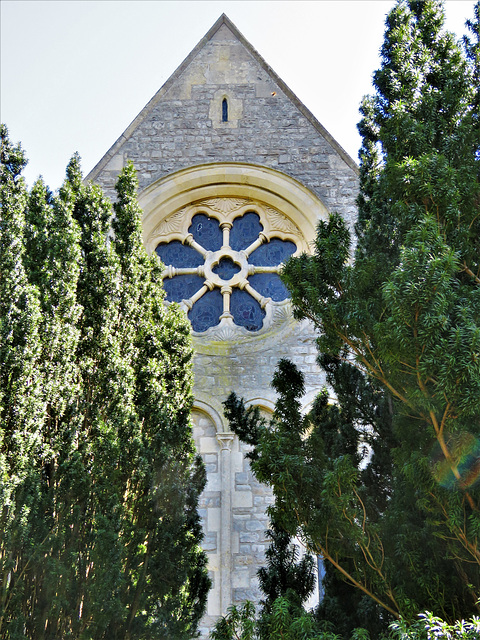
point(75, 73)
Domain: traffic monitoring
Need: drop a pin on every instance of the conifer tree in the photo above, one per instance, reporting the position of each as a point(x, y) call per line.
point(21, 403)
point(286, 583)
point(285, 576)
point(399, 340)
point(105, 531)
point(285, 573)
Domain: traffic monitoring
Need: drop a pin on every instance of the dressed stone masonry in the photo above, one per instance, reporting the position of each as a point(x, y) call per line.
point(235, 174)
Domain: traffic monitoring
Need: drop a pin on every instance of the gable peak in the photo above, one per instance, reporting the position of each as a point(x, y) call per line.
point(224, 21)
point(223, 32)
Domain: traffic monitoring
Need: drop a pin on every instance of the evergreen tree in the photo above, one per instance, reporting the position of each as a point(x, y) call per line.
point(21, 403)
point(399, 340)
point(286, 577)
point(105, 531)
point(286, 583)
point(285, 574)
point(314, 483)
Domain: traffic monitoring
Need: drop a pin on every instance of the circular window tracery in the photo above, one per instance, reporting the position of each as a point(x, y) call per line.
point(226, 268)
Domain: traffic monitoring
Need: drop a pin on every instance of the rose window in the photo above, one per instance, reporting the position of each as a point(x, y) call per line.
point(226, 268)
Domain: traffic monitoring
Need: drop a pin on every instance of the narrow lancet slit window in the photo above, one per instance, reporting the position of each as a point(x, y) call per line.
point(224, 110)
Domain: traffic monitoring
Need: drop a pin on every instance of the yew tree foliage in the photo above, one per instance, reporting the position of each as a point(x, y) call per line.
point(384, 483)
point(99, 481)
point(285, 572)
point(286, 583)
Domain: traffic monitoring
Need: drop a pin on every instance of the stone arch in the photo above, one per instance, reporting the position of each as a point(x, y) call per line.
point(266, 406)
point(204, 404)
point(309, 398)
point(233, 179)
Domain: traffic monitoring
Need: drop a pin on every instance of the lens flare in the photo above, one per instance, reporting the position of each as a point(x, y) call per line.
point(464, 449)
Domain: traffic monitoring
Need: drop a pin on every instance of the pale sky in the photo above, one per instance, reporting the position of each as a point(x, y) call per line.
point(75, 73)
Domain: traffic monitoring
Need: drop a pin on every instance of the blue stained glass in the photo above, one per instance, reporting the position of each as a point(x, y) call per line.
point(244, 231)
point(273, 253)
point(226, 269)
point(206, 312)
point(246, 311)
point(181, 288)
point(206, 231)
point(270, 286)
point(179, 255)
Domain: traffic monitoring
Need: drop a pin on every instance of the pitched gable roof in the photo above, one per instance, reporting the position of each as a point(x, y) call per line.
point(225, 22)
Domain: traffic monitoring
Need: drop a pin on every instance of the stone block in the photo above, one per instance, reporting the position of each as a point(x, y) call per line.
point(210, 500)
point(264, 89)
point(241, 478)
point(240, 595)
point(242, 499)
point(241, 578)
point(213, 519)
point(243, 560)
point(235, 542)
point(116, 163)
point(209, 542)
point(248, 537)
point(214, 482)
point(208, 445)
point(213, 603)
point(255, 525)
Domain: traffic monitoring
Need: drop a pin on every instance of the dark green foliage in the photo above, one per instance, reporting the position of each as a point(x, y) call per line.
point(316, 494)
point(406, 314)
point(384, 484)
point(239, 624)
point(285, 622)
point(286, 578)
point(99, 477)
point(285, 574)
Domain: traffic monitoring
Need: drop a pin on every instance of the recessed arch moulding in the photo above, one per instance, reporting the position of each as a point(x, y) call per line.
point(168, 195)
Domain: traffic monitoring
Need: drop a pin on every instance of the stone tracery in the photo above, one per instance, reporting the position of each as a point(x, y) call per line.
point(223, 257)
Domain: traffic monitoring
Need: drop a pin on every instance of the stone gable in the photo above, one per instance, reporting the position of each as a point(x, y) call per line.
point(271, 158)
point(268, 125)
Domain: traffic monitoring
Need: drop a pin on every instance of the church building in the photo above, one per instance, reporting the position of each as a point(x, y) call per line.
point(234, 174)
